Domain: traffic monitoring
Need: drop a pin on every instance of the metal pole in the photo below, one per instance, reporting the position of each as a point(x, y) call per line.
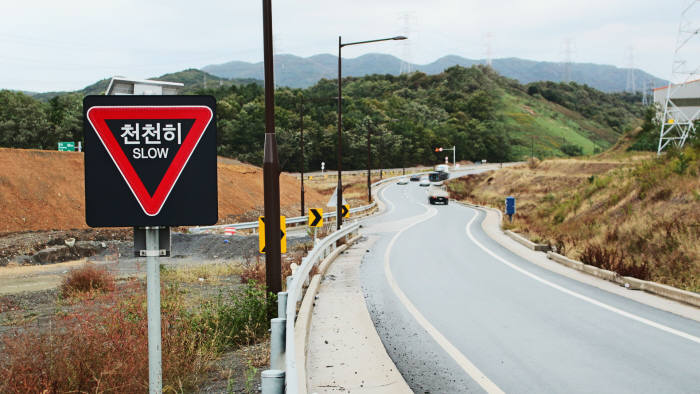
point(301, 127)
point(155, 365)
point(454, 156)
point(369, 163)
point(381, 154)
point(271, 172)
point(278, 327)
point(339, 150)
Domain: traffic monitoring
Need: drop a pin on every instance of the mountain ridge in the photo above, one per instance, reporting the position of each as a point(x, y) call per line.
point(301, 72)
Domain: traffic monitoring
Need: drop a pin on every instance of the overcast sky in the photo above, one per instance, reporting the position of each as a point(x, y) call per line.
point(68, 44)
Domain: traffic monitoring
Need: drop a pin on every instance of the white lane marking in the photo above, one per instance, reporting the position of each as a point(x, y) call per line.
point(446, 345)
point(580, 296)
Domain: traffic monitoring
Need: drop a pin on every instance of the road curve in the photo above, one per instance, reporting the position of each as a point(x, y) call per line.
point(457, 312)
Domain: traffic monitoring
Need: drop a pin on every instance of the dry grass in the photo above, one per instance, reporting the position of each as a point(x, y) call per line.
point(101, 346)
point(254, 269)
point(87, 278)
point(208, 273)
point(644, 209)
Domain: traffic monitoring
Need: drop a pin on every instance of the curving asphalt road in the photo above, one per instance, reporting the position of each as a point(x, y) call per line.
point(457, 312)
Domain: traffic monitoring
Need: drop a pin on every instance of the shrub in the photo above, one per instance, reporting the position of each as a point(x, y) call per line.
point(101, 346)
point(237, 318)
point(85, 279)
point(614, 260)
point(571, 150)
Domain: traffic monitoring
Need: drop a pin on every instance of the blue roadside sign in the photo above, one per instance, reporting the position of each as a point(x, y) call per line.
point(510, 205)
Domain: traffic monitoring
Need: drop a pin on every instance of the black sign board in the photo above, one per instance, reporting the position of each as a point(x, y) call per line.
point(150, 161)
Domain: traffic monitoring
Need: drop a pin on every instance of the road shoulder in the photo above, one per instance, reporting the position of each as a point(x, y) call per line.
point(344, 350)
point(491, 224)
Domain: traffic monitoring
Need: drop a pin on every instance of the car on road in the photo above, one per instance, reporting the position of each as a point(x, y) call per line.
point(438, 195)
point(402, 181)
point(424, 183)
point(415, 178)
point(438, 176)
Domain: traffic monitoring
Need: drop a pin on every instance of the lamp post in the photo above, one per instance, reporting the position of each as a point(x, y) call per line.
point(301, 159)
point(271, 169)
point(339, 201)
point(369, 162)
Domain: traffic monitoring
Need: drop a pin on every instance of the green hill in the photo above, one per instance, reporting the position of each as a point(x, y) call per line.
point(485, 115)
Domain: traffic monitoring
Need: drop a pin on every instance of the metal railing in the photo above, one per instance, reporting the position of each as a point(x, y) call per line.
point(295, 293)
point(294, 221)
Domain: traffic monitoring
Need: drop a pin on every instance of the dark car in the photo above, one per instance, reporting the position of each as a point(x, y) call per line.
point(415, 178)
point(438, 176)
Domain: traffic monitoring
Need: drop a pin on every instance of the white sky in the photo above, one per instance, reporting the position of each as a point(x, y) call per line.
point(68, 44)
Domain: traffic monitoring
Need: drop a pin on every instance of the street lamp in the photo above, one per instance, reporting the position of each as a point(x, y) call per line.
point(339, 201)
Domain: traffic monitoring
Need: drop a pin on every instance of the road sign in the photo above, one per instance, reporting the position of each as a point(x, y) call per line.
point(283, 234)
point(334, 199)
point(345, 211)
point(229, 230)
point(150, 161)
point(315, 217)
point(510, 207)
point(66, 146)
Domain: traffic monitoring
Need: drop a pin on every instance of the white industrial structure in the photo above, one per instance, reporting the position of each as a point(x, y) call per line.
point(680, 100)
point(125, 86)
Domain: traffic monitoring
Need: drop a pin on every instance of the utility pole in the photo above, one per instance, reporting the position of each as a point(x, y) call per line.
point(369, 162)
point(301, 160)
point(271, 170)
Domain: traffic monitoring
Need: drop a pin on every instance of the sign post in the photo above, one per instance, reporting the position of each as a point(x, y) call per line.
point(144, 156)
point(510, 207)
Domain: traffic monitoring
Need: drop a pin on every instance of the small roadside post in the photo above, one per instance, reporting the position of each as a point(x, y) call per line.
point(323, 166)
point(510, 207)
point(146, 150)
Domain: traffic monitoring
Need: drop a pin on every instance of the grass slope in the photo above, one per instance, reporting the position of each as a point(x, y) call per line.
point(632, 213)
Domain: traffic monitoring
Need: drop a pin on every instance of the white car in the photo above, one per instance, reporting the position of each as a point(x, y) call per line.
point(424, 183)
point(402, 181)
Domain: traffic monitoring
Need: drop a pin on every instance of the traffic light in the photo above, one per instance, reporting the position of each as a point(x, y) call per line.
point(438, 149)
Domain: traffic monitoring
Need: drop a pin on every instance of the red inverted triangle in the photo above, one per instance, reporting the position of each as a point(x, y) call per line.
point(151, 205)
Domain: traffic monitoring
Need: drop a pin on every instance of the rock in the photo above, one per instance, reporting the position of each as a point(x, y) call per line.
point(21, 260)
point(53, 254)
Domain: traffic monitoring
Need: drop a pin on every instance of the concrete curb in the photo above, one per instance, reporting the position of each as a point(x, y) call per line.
point(673, 293)
point(526, 242)
point(303, 322)
point(631, 283)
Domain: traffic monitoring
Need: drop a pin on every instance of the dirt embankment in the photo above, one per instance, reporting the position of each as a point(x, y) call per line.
point(637, 215)
point(44, 190)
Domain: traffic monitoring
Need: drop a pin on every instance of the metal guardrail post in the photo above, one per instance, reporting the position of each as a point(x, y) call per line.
point(272, 381)
point(282, 304)
point(277, 342)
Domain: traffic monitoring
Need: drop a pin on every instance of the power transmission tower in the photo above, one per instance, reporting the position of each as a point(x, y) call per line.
point(630, 87)
point(406, 66)
point(648, 92)
point(679, 110)
point(568, 55)
point(488, 43)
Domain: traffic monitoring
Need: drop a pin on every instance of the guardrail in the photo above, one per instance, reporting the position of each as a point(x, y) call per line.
point(294, 221)
point(301, 219)
point(283, 375)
